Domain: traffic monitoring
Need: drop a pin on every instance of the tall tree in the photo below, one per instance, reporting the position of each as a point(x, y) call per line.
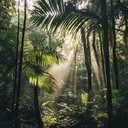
point(16, 67)
point(87, 53)
point(20, 69)
point(38, 57)
point(107, 65)
point(37, 109)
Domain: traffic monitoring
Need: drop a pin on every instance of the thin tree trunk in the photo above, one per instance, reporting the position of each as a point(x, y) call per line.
point(87, 58)
point(20, 70)
point(115, 63)
point(107, 65)
point(37, 109)
point(16, 68)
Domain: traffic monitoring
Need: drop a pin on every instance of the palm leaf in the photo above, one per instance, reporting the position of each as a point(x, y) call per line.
point(36, 61)
point(54, 14)
point(43, 57)
point(39, 76)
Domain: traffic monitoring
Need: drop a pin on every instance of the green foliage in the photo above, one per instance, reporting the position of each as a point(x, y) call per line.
point(120, 103)
point(36, 60)
point(7, 45)
point(84, 98)
point(47, 14)
point(70, 110)
point(42, 57)
point(47, 83)
point(7, 63)
point(27, 113)
point(4, 18)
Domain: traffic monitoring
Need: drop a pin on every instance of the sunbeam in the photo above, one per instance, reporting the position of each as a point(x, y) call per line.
point(98, 72)
point(61, 71)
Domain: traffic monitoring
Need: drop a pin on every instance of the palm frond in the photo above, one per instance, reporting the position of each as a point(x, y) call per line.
point(39, 76)
point(43, 57)
point(54, 14)
point(36, 61)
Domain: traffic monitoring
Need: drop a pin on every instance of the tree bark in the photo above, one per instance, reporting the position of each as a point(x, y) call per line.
point(16, 68)
point(37, 109)
point(107, 65)
point(87, 58)
point(20, 70)
point(115, 62)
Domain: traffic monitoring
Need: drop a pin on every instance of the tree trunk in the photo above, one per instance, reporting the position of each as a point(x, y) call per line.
point(16, 68)
point(107, 65)
point(20, 70)
point(115, 63)
point(37, 109)
point(87, 58)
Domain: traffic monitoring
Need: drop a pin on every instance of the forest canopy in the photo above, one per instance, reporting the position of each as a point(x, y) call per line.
point(63, 64)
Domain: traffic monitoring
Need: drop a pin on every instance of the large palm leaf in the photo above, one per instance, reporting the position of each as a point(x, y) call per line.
point(43, 56)
point(35, 64)
point(54, 14)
